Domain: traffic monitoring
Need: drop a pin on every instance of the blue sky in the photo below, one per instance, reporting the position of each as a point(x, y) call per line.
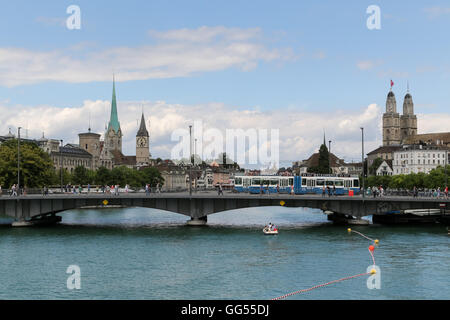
point(306, 56)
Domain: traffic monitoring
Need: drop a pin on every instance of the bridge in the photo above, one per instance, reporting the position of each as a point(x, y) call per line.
point(201, 204)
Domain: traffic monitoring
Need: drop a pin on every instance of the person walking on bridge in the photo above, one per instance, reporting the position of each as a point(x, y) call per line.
point(445, 191)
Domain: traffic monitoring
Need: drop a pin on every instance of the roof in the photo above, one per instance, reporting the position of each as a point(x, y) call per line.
point(429, 138)
point(142, 132)
point(73, 151)
point(384, 149)
point(313, 161)
point(120, 159)
point(114, 119)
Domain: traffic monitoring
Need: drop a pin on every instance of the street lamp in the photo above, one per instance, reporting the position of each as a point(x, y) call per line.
point(362, 160)
point(329, 156)
point(18, 160)
point(190, 160)
point(61, 165)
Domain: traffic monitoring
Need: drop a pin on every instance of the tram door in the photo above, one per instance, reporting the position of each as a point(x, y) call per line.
point(310, 185)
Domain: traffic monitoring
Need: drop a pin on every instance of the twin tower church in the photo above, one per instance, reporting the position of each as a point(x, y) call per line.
point(398, 128)
point(108, 153)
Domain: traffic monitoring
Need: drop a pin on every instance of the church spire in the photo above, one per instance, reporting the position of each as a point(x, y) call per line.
point(114, 119)
point(142, 132)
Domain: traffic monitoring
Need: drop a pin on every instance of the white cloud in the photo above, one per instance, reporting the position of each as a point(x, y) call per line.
point(436, 11)
point(177, 53)
point(368, 64)
point(301, 133)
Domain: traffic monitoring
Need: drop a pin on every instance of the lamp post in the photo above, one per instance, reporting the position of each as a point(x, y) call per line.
point(190, 160)
point(329, 156)
point(362, 160)
point(61, 165)
point(18, 160)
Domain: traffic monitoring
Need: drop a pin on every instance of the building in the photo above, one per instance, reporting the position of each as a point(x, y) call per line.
point(142, 144)
point(174, 176)
point(397, 128)
point(419, 158)
point(385, 168)
point(383, 152)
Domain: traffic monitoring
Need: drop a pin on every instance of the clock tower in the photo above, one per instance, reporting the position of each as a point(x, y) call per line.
point(142, 144)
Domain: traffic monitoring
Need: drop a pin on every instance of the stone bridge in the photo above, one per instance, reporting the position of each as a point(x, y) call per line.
point(200, 205)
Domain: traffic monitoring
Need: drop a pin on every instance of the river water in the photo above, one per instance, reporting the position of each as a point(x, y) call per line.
point(139, 253)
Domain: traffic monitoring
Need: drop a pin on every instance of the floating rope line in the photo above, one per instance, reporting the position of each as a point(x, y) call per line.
point(373, 271)
point(321, 285)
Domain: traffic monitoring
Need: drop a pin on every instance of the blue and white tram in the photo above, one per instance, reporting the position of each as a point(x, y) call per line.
point(313, 184)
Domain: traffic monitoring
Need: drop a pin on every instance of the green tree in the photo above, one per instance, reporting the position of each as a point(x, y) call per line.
point(151, 176)
point(324, 161)
point(102, 176)
point(80, 175)
point(375, 165)
point(36, 167)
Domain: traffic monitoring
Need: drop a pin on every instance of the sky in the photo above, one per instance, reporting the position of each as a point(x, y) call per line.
point(304, 68)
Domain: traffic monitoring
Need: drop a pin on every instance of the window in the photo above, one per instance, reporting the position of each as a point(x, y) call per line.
point(320, 182)
point(355, 183)
point(238, 181)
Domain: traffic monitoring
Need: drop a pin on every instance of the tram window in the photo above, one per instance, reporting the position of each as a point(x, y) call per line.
point(303, 182)
point(265, 182)
point(283, 182)
point(320, 182)
point(355, 183)
point(256, 181)
point(348, 183)
point(238, 181)
point(246, 182)
point(339, 183)
point(273, 182)
point(330, 182)
point(291, 181)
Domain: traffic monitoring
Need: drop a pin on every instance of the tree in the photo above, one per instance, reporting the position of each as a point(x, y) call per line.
point(102, 176)
point(36, 167)
point(324, 161)
point(151, 176)
point(375, 165)
point(80, 175)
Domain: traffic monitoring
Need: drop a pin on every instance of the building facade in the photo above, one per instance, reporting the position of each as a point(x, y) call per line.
point(419, 158)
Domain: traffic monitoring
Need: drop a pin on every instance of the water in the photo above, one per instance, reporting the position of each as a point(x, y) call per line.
point(139, 253)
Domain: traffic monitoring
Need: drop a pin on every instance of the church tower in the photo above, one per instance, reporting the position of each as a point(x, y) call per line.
point(113, 134)
point(408, 120)
point(391, 122)
point(142, 144)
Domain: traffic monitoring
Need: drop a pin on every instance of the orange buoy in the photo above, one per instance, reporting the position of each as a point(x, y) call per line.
point(371, 248)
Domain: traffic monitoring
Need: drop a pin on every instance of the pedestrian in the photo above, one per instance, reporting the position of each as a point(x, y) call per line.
point(126, 188)
point(439, 192)
point(147, 192)
point(89, 187)
point(415, 192)
point(0, 190)
point(445, 191)
point(323, 191)
point(334, 190)
point(329, 191)
point(278, 188)
point(116, 189)
point(292, 190)
point(13, 190)
point(220, 189)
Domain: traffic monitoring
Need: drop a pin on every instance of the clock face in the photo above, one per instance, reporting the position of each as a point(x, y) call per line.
point(141, 142)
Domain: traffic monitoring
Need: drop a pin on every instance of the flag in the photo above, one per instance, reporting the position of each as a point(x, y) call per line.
point(392, 83)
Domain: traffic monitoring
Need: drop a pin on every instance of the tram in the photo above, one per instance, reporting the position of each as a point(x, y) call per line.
point(303, 184)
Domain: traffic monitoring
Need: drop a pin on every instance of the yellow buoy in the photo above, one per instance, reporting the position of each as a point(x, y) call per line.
point(105, 202)
point(373, 271)
point(376, 241)
point(282, 202)
point(349, 230)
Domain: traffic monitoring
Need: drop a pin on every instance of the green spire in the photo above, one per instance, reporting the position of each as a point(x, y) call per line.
point(114, 119)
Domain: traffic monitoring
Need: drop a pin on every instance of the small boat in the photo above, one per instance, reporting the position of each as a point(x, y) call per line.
point(266, 230)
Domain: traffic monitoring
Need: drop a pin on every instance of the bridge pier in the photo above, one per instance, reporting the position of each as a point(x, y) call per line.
point(197, 221)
